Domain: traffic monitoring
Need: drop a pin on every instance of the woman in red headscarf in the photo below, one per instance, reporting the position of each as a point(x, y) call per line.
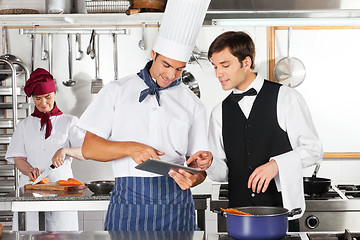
point(46, 137)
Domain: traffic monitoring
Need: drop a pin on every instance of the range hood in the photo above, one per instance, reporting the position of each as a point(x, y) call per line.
point(278, 12)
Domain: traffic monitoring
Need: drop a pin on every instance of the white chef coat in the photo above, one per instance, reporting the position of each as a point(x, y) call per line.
point(177, 127)
point(29, 142)
point(294, 118)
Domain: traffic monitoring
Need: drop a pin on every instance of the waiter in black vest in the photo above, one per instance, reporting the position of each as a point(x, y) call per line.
point(261, 135)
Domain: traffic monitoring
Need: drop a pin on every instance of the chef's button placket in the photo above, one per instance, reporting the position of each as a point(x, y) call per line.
point(253, 194)
point(153, 124)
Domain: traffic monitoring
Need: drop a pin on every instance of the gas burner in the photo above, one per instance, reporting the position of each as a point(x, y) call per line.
point(340, 236)
point(329, 195)
point(350, 190)
point(348, 187)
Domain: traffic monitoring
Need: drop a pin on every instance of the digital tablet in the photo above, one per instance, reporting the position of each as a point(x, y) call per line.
point(162, 167)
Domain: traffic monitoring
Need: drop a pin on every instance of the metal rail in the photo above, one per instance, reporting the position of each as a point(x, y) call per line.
point(15, 118)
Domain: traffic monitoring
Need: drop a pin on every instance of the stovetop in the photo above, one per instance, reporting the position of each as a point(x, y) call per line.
point(337, 192)
point(345, 235)
point(335, 236)
point(227, 237)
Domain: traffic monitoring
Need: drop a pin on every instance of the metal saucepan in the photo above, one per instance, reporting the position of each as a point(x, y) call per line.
point(264, 222)
point(316, 186)
point(289, 71)
point(13, 59)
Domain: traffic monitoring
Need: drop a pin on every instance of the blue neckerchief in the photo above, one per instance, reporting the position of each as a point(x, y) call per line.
point(153, 87)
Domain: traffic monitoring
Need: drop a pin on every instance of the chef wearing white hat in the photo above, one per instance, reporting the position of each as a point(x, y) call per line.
point(152, 114)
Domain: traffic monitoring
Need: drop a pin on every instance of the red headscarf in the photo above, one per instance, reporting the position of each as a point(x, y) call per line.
point(45, 118)
point(40, 82)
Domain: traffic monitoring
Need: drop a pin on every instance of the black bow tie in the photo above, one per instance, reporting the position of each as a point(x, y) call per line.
point(236, 97)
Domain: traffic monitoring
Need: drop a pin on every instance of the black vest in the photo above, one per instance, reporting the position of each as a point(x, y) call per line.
point(251, 142)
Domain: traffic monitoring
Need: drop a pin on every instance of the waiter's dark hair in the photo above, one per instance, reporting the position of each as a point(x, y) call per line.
point(240, 44)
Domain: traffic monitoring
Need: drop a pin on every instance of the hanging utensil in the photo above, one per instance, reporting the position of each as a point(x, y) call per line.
point(13, 59)
point(50, 54)
point(32, 38)
point(44, 52)
point(70, 82)
point(142, 41)
point(189, 80)
point(79, 52)
point(289, 71)
point(115, 56)
point(97, 83)
point(90, 49)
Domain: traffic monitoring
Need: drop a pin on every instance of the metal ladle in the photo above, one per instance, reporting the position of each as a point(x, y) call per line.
point(70, 82)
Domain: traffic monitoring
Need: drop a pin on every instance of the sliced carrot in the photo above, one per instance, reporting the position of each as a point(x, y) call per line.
point(70, 181)
point(75, 180)
point(44, 180)
point(235, 211)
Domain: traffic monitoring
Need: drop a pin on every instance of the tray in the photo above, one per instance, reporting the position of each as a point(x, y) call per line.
point(162, 167)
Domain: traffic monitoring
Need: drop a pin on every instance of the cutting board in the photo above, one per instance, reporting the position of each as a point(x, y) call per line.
point(54, 186)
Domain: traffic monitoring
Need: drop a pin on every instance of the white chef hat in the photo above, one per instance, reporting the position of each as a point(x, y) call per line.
point(180, 27)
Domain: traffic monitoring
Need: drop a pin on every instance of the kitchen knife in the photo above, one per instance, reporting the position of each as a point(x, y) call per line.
point(44, 174)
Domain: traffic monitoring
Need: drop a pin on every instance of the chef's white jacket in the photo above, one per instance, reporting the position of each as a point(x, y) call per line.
point(177, 127)
point(294, 118)
point(29, 142)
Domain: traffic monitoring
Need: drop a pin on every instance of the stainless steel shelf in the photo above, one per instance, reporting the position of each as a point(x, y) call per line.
point(7, 170)
point(2, 154)
point(66, 20)
point(316, 17)
point(7, 91)
point(9, 105)
point(5, 138)
point(6, 123)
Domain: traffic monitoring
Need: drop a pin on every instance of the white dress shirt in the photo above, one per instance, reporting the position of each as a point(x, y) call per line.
point(177, 127)
point(294, 118)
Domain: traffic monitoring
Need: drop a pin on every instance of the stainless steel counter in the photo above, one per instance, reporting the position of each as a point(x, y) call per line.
point(81, 200)
point(103, 235)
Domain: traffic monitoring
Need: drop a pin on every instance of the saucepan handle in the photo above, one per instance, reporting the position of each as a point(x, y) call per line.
point(219, 211)
point(294, 212)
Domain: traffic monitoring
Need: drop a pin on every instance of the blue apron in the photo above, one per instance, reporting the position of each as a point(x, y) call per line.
point(150, 204)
